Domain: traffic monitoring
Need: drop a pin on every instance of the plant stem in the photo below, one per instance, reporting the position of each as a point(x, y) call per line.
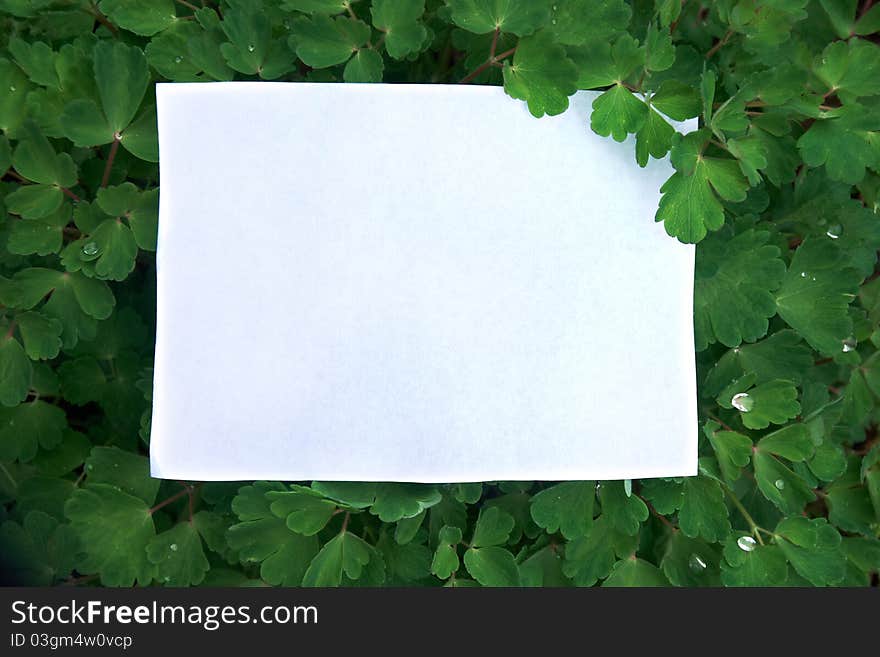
point(187, 5)
point(756, 531)
point(721, 43)
point(70, 194)
point(112, 156)
point(345, 522)
point(489, 62)
point(171, 499)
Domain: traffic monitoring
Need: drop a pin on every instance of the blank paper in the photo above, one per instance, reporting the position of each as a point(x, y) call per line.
point(415, 283)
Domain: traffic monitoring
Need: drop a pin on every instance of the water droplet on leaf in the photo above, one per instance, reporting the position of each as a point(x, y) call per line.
point(696, 563)
point(90, 249)
point(11, 87)
point(173, 547)
point(849, 345)
point(834, 231)
point(746, 543)
point(178, 59)
point(803, 274)
point(779, 484)
point(742, 402)
point(251, 48)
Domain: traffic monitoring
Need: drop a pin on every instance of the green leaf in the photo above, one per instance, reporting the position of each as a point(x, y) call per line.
point(355, 495)
point(816, 293)
point(84, 124)
point(565, 507)
point(344, 553)
point(37, 60)
point(141, 209)
point(617, 112)
point(115, 528)
point(624, 513)
point(689, 562)
point(15, 372)
point(445, 561)
point(41, 335)
point(703, 512)
point(304, 510)
point(850, 508)
point(178, 556)
point(733, 283)
point(772, 402)
point(812, 547)
point(396, 501)
point(676, 100)
point(580, 22)
point(635, 572)
point(653, 139)
point(399, 20)
point(263, 537)
point(746, 563)
point(35, 159)
point(541, 75)
point(364, 66)
point(733, 450)
point(141, 138)
point(144, 18)
point(37, 552)
point(122, 76)
point(792, 442)
point(846, 143)
point(15, 87)
point(34, 201)
point(482, 16)
point(591, 557)
point(321, 41)
point(28, 426)
point(492, 566)
point(784, 488)
point(124, 470)
point(493, 528)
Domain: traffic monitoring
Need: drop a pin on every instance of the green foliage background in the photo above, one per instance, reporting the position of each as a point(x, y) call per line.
point(779, 186)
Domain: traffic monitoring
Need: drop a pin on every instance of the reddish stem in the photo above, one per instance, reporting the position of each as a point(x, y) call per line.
point(112, 156)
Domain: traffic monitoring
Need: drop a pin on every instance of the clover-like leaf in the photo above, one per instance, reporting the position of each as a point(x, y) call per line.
point(734, 279)
point(481, 16)
point(321, 41)
point(816, 293)
point(492, 566)
point(346, 554)
point(399, 20)
point(617, 112)
point(116, 527)
point(178, 556)
point(305, 511)
point(812, 547)
point(541, 75)
point(565, 507)
point(263, 537)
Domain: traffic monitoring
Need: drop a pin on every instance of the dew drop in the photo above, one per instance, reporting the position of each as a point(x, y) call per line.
point(251, 48)
point(11, 87)
point(803, 274)
point(554, 7)
point(628, 487)
point(697, 564)
point(553, 21)
point(746, 543)
point(742, 402)
point(178, 59)
point(779, 484)
point(173, 547)
point(849, 345)
point(90, 249)
point(834, 231)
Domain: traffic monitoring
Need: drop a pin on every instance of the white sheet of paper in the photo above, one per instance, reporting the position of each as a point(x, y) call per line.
point(412, 283)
